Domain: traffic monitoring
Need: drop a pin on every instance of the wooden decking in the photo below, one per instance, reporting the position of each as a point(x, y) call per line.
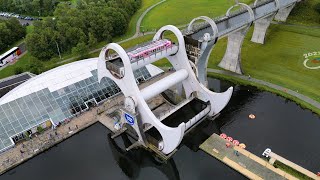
point(245, 163)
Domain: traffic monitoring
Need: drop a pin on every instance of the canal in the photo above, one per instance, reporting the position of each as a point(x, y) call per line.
point(280, 124)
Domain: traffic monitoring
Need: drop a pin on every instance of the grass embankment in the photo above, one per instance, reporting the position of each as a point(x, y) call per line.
point(280, 59)
point(291, 171)
point(180, 12)
point(236, 80)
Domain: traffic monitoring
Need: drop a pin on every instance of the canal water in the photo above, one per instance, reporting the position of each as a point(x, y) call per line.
point(281, 125)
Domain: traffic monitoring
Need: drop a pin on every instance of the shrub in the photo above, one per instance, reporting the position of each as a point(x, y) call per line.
point(18, 70)
point(40, 129)
point(317, 7)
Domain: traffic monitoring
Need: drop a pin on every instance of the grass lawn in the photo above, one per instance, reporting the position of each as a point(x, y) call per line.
point(30, 29)
point(180, 12)
point(280, 59)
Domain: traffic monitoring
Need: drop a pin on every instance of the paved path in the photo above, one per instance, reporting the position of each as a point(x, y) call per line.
point(137, 33)
point(30, 148)
point(138, 25)
point(277, 87)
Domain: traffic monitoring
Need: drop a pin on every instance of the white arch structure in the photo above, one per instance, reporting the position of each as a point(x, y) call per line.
point(208, 20)
point(135, 99)
point(250, 11)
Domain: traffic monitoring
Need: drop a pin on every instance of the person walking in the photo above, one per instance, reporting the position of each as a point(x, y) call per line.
point(236, 152)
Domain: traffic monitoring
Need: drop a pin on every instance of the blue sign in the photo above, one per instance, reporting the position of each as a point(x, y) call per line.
point(129, 119)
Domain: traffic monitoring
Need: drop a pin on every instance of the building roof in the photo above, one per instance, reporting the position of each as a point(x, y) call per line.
point(54, 79)
point(11, 82)
point(56, 95)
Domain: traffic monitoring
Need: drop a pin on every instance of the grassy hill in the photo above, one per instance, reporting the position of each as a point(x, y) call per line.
point(280, 59)
point(180, 12)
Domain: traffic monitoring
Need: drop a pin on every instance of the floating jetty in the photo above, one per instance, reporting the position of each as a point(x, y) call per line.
point(243, 161)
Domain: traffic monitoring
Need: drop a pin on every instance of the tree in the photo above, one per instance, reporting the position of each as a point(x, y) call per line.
point(317, 8)
point(29, 7)
point(18, 70)
point(80, 50)
point(92, 40)
point(77, 29)
point(35, 67)
point(10, 32)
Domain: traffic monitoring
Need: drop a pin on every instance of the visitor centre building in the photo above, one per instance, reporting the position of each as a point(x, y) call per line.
point(56, 95)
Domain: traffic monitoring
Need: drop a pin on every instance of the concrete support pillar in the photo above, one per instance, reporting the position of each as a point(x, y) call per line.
point(232, 58)
point(202, 64)
point(283, 14)
point(260, 29)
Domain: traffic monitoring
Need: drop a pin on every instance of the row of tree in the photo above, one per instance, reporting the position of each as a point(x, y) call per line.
point(76, 29)
point(10, 32)
point(29, 7)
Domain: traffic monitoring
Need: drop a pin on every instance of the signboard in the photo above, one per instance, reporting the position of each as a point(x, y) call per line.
point(129, 119)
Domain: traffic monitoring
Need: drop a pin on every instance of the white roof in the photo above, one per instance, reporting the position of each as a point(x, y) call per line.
point(54, 79)
point(60, 77)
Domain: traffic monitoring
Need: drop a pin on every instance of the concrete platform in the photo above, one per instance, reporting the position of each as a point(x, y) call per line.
point(246, 163)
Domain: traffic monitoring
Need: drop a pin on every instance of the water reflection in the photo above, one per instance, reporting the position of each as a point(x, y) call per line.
point(133, 161)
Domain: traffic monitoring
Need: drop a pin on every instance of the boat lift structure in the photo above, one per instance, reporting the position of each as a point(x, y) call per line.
point(161, 134)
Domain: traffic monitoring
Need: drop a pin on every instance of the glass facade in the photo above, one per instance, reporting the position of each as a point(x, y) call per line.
point(22, 114)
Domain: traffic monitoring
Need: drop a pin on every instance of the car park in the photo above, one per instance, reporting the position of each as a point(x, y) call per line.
point(8, 15)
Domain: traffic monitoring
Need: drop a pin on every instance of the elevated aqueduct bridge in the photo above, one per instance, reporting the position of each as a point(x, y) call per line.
point(235, 26)
point(189, 58)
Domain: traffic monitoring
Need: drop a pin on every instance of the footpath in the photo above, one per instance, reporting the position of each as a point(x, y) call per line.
point(273, 86)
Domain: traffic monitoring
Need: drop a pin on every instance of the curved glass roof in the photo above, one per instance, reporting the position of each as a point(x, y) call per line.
point(56, 95)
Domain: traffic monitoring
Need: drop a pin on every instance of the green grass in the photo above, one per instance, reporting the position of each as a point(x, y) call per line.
point(23, 62)
point(280, 59)
point(291, 171)
point(236, 80)
point(30, 29)
point(180, 12)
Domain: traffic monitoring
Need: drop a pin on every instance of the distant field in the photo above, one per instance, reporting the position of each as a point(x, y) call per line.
point(179, 12)
point(280, 59)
